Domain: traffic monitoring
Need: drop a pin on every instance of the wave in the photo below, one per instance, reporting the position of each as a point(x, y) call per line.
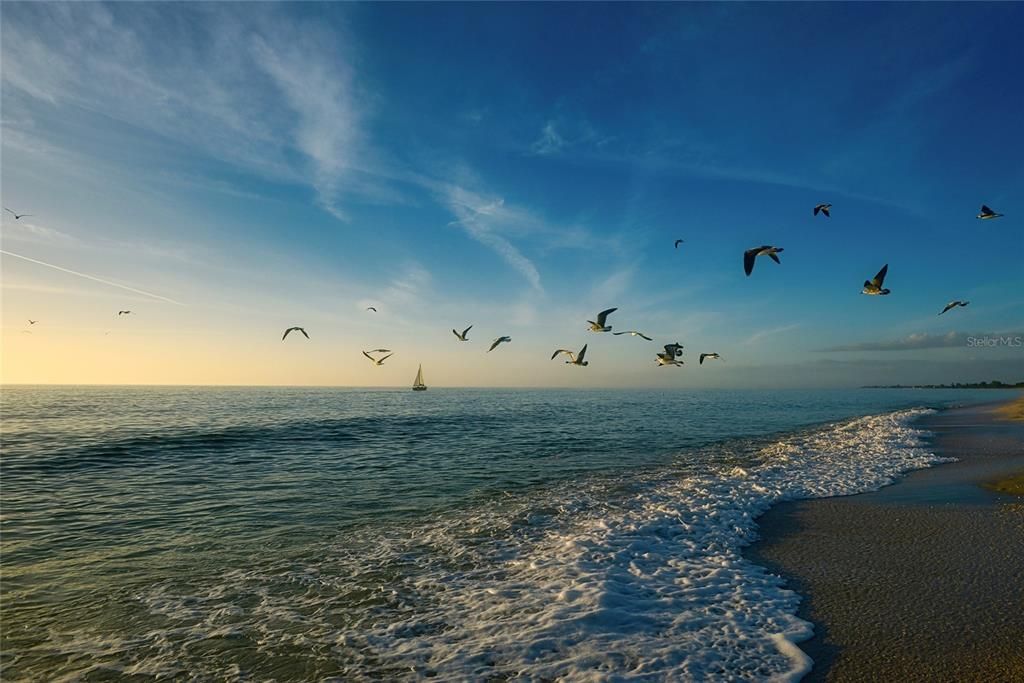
point(632, 580)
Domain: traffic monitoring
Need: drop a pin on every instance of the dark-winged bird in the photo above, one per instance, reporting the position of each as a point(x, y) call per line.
point(987, 213)
point(670, 355)
point(17, 216)
point(600, 326)
point(376, 361)
point(462, 337)
point(874, 285)
point(497, 341)
point(574, 358)
point(953, 304)
point(824, 208)
point(633, 333)
point(766, 250)
point(294, 329)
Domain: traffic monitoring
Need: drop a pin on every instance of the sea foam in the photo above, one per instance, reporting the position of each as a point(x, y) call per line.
point(607, 580)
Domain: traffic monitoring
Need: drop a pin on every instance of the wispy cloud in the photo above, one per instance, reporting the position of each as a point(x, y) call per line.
point(321, 94)
point(485, 219)
point(614, 286)
point(23, 231)
point(559, 135)
point(550, 140)
point(135, 290)
point(762, 334)
point(925, 341)
point(265, 90)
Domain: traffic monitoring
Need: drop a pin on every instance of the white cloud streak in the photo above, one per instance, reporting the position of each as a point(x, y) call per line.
point(550, 141)
point(762, 334)
point(266, 92)
point(135, 290)
point(484, 219)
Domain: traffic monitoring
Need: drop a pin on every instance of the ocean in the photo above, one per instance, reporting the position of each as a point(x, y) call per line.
point(313, 534)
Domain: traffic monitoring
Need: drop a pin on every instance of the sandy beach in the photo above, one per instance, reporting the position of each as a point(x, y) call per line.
point(922, 580)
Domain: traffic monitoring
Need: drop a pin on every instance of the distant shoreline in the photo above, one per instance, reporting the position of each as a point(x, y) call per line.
point(981, 385)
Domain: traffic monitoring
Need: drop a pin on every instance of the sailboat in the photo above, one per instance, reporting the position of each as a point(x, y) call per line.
point(418, 385)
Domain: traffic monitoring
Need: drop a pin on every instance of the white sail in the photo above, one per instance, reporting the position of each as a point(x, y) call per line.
point(418, 384)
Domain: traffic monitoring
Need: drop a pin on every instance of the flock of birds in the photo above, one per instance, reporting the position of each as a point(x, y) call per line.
point(671, 356)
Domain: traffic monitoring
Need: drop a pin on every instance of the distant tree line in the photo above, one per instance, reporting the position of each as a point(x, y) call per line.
point(994, 384)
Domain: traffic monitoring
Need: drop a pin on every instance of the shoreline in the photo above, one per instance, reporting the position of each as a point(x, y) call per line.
point(922, 579)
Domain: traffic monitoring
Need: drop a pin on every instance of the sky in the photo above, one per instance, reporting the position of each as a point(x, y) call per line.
point(226, 171)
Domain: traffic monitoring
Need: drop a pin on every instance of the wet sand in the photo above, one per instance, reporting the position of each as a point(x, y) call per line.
point(923, 580)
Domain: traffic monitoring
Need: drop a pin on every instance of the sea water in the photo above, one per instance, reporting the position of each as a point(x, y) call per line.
point(307, 534)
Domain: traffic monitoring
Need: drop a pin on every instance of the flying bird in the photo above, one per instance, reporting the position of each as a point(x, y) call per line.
point(380, 351)
point(750, 254)
point(17, 216)
point(874, 285)
point(599, 326)
point(678, 242)
point(669, 356)
point(985, 214)
point(120, 313)
point(293, 329)
point(574, 359)
point(954, 304)
point(713, 356)
point(371, 308)
point(462, 337)
point(634, 333)
point(377, 361)
point(32, 322)
point(824, 208)
point(497, 341)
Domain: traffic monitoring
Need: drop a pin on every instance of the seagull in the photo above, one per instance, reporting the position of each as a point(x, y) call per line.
point(668, 357)
point(574, 359)
point(375, 361)
point(371, 308)
point(713, 356)
point(497, 341)
point(951, 304)
point(874, 285)
point(599, 326)
point(678, 242)
point(462, 337)
point(120, 313)
point(17, 216)
point(380, 351)
point(634, 333)
point(750, 254)
point(32, 322)
point(985, 214)
point(824, 208)
point(292, 329)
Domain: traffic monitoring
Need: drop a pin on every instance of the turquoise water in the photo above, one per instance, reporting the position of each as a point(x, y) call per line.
point(304, 534)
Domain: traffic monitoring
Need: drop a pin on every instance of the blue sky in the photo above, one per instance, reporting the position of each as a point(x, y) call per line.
point(518, 167)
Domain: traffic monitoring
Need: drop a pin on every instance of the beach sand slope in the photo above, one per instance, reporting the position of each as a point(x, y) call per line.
point(923, 580)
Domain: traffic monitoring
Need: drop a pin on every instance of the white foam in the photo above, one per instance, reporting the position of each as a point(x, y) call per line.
point(640, 580)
